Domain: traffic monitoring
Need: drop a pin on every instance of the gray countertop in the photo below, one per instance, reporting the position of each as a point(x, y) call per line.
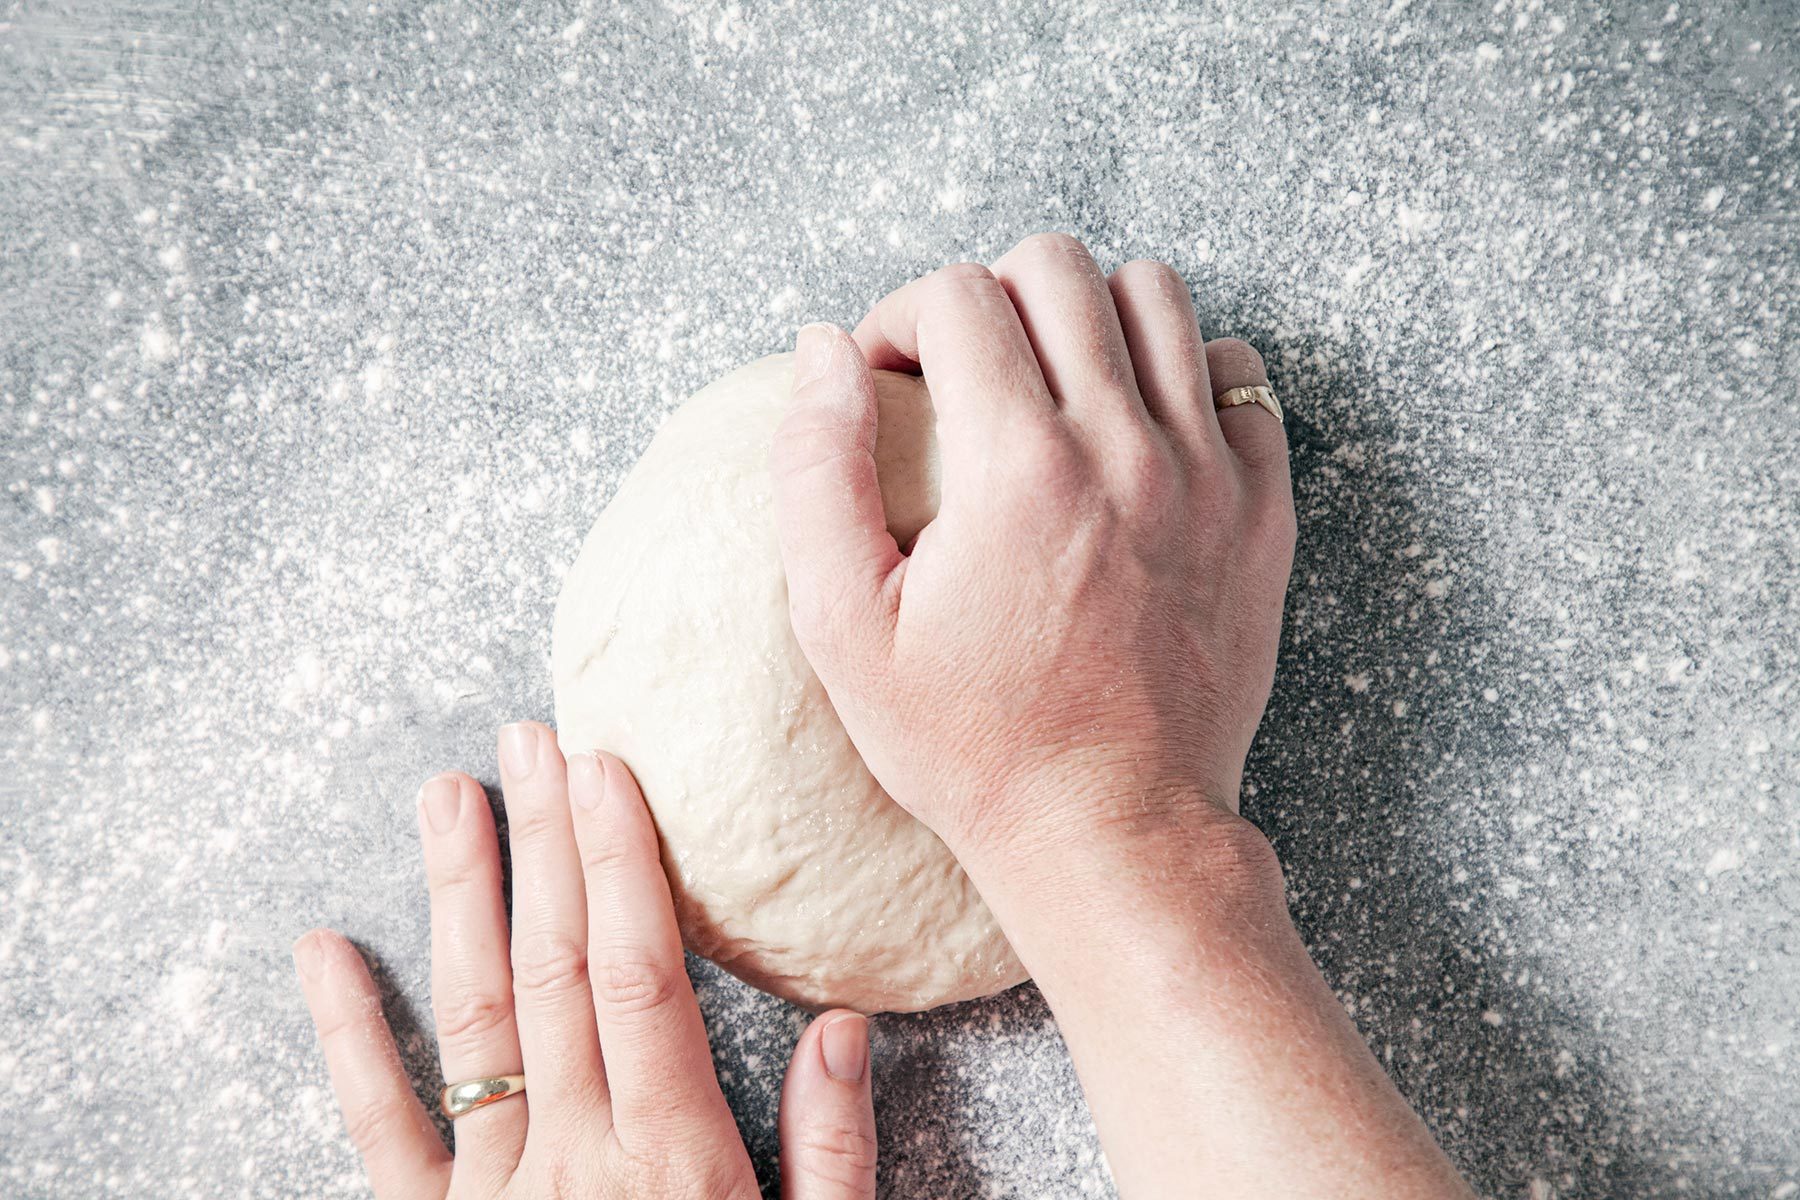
point(325, 332)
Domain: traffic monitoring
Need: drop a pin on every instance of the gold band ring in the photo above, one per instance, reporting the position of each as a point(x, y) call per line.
point(1260, 394)
point(461, 1099)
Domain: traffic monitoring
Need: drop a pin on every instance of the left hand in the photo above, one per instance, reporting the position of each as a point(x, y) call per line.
point(592, 1005)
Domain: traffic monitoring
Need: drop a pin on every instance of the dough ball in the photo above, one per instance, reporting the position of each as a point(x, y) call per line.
point(791, 868)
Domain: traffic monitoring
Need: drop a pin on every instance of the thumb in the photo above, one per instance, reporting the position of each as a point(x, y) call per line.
point(827, 1117)
point(834, 539)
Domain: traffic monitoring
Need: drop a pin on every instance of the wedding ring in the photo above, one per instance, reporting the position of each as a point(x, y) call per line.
point(1262, 395)
point(460, 1099)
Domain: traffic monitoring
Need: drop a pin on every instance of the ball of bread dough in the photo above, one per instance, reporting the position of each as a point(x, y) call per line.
point(791, 868)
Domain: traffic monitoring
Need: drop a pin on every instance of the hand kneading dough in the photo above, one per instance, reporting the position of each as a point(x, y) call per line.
point(791, 868)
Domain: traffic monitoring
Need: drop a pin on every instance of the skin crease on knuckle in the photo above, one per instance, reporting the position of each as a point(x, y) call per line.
point(838, 1153)
point(616, 848)
point(349, 1016)
point(629, 981)
point(471, 1016)
point(377, 1122)
point(830, 622)
point(534, 823)
point(954, 291)
point(810, 437)
point(461, 871)
point(546, 965)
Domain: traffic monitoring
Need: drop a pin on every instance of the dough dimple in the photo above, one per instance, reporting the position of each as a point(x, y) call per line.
point(790, 866)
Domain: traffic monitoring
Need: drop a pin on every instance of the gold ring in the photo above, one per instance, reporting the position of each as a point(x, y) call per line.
point(1261, 394)
point(460, 1099)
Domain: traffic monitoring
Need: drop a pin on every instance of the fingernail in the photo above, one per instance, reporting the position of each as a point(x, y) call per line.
point(306, 958)
point(812, 353)
point(845, 1044)
point(587, 779)
point(518, 749)
point(441, 798)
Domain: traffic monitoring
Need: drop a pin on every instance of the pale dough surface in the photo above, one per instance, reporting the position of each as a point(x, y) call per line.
point(672, 648)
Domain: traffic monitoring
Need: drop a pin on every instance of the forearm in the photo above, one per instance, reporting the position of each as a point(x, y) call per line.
point(1214, 1057)
point(1098, 598)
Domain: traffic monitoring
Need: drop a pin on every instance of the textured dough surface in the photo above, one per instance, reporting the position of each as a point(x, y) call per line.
point(790, 866)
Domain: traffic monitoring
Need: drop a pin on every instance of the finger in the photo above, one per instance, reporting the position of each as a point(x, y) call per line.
point(835, 543)
point(555, 1009)
point(1168, 356)
point(471, 980)
point(959, 327)
point(827, 1121)
point(658, 1065)
point(1256, 438)
point(398, 1144)
point(1068, 315)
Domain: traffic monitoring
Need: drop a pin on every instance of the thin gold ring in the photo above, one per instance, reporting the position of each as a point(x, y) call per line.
point(461, 1099)
point(1261, 394)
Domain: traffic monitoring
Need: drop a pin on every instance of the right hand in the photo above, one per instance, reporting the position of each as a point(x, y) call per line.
point(1083, 640)
point(1062, 678)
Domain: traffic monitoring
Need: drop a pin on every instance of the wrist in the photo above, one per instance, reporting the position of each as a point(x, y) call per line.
point(1102, 831)
point(1152, 884)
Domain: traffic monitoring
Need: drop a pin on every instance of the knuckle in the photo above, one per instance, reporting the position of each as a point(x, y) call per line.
point(1149, 499)
point(619, 848)
point(472, 1016)
point(1053, 244)
point(1148, 477)
point(961, 274)
point(806, 445)
point(632, 982)
point(349, 1017)
point(959, 284)
point(1218, 487)
point(375, 1123)
point(548, 964)
point(788, 457)
point(460, 871)
point(820, 614)
point(1150, 274)
point(533, 819)
point(1047, 462)
point(1258, 441)
point(1238, 353)
point(838, 1153)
